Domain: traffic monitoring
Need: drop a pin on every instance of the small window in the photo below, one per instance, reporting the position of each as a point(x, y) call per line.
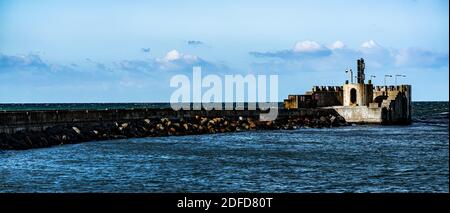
point(353, 95)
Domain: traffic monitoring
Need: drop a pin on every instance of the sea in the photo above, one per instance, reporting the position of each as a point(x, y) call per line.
point(357, 158)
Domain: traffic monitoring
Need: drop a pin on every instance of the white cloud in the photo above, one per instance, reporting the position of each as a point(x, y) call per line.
point(337, 45)
point(369, 44)
point(172, 55)
point(307, 46)
point(174, 60)
point(176, 56)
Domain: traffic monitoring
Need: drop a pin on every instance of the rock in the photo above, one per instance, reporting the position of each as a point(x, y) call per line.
point(323, 119)
point(245, 126)
point(28, 140)
point(76, 130)
point(217, 120)
point(160, 127)
point(252, 125)
point(203, 121)
point(332, 119)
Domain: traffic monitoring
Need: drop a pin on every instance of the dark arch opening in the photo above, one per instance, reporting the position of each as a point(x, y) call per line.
point(353, 95)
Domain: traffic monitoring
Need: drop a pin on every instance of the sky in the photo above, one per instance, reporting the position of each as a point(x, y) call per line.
point(127, 51)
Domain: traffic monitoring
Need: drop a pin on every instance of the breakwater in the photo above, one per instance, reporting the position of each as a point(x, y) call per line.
point(35, 129)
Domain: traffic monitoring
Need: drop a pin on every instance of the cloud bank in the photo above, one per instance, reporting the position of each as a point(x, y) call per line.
point(301, 50)
point(32, 61)
point(172, 61)
point(377, 55)
point(34, 79)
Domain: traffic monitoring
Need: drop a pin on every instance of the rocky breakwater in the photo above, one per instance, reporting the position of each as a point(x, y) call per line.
point(157, 127)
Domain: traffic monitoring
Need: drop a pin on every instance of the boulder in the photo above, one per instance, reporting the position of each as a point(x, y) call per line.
point(75, 129)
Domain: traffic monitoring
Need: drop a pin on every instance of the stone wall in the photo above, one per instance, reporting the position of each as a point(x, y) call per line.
point(319, 96)
point(361, 114)
point(325, 96)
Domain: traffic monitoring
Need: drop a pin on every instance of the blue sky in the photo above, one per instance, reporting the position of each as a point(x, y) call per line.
point(126, 51)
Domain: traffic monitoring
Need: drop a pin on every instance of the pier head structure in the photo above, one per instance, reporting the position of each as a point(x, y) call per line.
point(359, 102)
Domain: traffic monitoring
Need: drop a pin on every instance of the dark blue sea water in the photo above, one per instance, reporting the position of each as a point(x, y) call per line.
point(348, 159)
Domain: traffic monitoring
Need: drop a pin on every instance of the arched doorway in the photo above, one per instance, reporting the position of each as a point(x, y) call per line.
point(353, 95)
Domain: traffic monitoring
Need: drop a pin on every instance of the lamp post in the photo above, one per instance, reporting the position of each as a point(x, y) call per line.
point(372, 76)
point(351, 74)
point(386, 76)
point(398, 76)
point(385, 85)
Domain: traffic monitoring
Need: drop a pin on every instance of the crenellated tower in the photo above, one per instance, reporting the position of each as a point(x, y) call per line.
point(359, 93)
